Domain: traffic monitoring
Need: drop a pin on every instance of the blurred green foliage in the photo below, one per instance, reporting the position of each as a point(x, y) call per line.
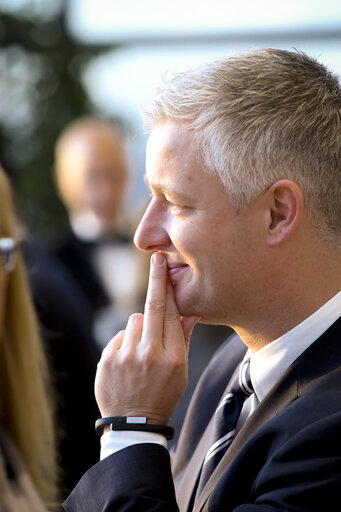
point(41, 91)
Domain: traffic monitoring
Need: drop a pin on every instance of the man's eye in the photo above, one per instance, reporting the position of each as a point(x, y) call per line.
point(175, 208)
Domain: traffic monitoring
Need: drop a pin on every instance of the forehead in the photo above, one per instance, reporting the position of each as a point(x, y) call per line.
point(91, 158)
point(171, 139)
point(172, 156)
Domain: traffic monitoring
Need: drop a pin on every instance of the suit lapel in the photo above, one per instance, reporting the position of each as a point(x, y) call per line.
point(280, 397)
point(188, 483)
point(299, 376)
point(194, 438)
point(322, 357)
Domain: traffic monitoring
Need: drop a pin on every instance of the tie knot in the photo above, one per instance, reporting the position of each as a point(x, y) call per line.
point(244, 378)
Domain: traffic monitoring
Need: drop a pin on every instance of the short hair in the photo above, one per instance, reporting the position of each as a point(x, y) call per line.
point(261, 116)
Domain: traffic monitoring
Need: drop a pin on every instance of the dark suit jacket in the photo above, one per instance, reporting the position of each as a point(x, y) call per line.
point(286, 457)
point(75, 256)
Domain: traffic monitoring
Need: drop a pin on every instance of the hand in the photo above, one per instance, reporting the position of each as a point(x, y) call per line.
point(143, 370)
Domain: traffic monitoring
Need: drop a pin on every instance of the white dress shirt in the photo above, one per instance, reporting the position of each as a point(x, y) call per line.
point(267, 365)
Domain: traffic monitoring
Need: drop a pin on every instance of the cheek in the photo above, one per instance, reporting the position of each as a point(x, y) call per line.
point(217, 243)
point(185, 239)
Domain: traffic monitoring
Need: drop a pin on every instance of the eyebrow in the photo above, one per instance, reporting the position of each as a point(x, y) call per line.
point(164, 190)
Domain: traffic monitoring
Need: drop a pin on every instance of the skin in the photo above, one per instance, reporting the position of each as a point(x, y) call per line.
point(190, 219)
point(212, 264)
point(153, 350)
point(91, 173)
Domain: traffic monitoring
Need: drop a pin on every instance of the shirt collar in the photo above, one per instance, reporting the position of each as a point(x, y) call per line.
point(269, 363)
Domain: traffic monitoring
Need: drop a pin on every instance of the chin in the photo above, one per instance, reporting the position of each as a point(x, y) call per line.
point(185, 309)
point(187, 305)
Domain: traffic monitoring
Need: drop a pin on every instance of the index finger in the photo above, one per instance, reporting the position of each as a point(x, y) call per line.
point(155, 306)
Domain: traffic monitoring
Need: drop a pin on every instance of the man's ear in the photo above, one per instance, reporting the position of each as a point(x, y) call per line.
point(285, 200)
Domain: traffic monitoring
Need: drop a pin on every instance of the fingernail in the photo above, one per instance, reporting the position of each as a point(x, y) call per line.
point(158, 258)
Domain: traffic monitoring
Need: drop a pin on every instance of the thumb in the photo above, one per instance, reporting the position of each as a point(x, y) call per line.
point(187, 324)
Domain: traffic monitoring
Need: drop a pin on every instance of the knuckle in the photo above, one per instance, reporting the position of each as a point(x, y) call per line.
point(110, 349)
point(156, 305)
point(115, 340)
point(135, 317)
point(106, 358)
point(148, 356)
point(135, 321)
point(178, 364)
point(171, 315)
point(127, 359)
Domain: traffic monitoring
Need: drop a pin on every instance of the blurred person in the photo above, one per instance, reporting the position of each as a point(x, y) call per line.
point(28, 471)
point(244, 227)
point(92, 174)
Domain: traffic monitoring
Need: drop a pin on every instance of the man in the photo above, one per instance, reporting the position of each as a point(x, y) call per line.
point(243, 163)
point(92, 174)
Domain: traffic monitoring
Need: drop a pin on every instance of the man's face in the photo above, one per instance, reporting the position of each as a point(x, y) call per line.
point(208, 245)
point(92, 175)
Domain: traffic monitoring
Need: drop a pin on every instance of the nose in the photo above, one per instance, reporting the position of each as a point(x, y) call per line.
point(152, 233)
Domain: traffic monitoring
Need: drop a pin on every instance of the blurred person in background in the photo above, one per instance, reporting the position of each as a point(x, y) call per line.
point(92, 174)
point(28, 471)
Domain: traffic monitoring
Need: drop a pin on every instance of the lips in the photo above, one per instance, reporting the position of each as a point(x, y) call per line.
point(175, 268)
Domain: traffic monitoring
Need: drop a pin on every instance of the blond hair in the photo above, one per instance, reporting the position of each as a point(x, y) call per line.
point(25, 403)
point(262, 116)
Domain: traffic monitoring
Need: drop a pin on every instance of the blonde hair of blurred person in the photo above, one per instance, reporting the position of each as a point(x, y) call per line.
point(25, 402)
point(91, 171)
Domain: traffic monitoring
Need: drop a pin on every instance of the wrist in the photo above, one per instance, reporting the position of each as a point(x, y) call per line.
point(137, 423)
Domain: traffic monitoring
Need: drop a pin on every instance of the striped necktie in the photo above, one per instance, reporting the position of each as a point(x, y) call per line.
point(225, 420)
